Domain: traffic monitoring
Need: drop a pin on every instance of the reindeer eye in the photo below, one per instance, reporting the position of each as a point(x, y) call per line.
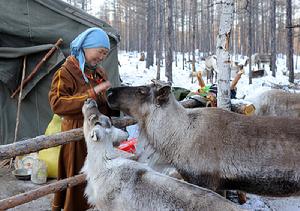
point(92, 117)
point(142, 91)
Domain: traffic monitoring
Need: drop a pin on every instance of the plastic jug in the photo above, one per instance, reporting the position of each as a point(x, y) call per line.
point(39, 172)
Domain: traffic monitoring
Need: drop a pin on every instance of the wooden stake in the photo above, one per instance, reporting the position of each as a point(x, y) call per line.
point(236, 79)
point(200, 79)
point(19, 105)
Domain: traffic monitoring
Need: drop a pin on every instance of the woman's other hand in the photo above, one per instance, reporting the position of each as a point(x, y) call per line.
point(102, 87)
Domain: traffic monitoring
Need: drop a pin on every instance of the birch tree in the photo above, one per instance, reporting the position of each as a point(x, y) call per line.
point(223, 56)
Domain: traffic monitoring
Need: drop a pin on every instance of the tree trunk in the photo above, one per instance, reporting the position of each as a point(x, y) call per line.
point(169, 43)
point(223, 56)
point(290, 47)
point(250, 47)
point(262, 49)
point(182, 32)
point(161, 14)
point(175, 33)
point(150, 33)
point(202, 28)
point(273, 37)
point(209, 47)
point(194, 11)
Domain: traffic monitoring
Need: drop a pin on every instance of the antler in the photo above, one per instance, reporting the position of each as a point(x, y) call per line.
point(161, 83)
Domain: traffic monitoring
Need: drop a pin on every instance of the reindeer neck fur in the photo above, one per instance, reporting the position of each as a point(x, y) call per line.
point(100, 154)
point(164, 116)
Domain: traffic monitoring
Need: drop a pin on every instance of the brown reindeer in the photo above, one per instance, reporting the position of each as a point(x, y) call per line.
point(216, 148)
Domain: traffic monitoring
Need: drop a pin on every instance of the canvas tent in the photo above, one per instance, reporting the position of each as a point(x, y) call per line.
point(31, 27)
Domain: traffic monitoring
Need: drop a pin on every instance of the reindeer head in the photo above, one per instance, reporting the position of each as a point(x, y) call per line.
point(98, 127)
point(137, 101)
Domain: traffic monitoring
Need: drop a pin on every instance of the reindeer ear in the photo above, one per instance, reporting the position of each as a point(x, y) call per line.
point(162, 95)
point(105, 121)
point(95, 133)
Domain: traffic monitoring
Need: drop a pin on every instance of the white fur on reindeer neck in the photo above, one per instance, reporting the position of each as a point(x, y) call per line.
point(99, 136)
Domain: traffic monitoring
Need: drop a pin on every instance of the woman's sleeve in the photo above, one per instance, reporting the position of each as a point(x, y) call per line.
point(61, 97)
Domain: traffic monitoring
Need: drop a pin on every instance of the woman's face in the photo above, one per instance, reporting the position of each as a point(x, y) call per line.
point(93, 56)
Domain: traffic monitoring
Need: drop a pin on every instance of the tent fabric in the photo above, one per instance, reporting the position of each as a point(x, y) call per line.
point(8, 52)
point(30, 28)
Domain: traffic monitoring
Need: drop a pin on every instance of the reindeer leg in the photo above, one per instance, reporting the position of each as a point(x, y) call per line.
point(207, 75)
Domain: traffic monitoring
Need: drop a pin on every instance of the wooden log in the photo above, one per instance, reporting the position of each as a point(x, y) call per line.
point(123, 122)
point(194, 103)
point(23, 198)
point(39, 142)
point(243, 108)
point(258, 73)
point(44, 142)
point(240, 107)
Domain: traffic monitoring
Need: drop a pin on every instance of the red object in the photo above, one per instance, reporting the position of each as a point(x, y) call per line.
point(128, 146)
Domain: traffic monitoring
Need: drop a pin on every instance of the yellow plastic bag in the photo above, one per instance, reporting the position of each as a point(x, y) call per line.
point(50, 156)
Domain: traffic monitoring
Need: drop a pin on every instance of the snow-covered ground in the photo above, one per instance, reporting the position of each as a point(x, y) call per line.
point(134, 72)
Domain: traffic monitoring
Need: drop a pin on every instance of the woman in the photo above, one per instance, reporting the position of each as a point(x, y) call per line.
point(78, 78)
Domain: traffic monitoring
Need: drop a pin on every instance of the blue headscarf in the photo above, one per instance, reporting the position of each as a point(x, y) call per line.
point(90, 38)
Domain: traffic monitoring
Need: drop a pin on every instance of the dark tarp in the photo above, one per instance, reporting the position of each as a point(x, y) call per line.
point(31, 27)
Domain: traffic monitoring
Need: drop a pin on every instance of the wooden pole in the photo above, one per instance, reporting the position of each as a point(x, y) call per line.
point(200, 79)
point(236, 79)
point(20, 99)
point(123, 122)
point(44, 142)
point(37, 67)
point(39, 142)
point(19, 105)
point(23, 198)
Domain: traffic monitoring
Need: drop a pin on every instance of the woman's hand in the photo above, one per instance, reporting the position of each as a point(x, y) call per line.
point(102, 87)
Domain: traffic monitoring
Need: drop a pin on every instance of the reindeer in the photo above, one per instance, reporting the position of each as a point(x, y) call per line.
point(116, 183)
point(211, 68)
point(276, 102)
point(215, 148)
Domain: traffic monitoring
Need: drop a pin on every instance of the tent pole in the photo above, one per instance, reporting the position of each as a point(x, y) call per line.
point(19, 105)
